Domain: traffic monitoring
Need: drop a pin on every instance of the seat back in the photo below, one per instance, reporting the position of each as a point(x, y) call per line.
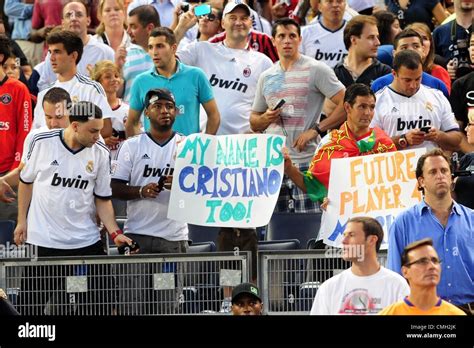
point(199, 234)
point(204, 247)
point(285, 244)
point(301, 226)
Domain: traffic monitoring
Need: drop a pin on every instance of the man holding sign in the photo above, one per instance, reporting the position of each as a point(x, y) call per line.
point(143, 167)
point(138, 169)
point(353, 138)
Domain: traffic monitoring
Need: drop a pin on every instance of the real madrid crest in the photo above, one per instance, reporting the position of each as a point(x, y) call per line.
point(429, 106)
point(75, 99)
point(247, 71)
point(90, 167)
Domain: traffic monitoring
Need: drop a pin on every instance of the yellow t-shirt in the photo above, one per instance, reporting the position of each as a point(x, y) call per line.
point(405, 307)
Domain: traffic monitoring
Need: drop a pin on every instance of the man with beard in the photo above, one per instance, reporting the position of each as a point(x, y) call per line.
point(450, 225)
point(142, 175)
point(366, 287)
point(421, 267)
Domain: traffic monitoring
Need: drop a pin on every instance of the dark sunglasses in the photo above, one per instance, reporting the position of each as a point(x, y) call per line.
point(211, 17)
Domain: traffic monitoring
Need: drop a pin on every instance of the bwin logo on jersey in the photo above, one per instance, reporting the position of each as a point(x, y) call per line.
point(69, 182)
point(412, 124)
point(221, 83)
point(329, 56)
point(155, 172)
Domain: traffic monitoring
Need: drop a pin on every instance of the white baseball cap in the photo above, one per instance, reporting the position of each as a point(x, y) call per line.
point(231, 5)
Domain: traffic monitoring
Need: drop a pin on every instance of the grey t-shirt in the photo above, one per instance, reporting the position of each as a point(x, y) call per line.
point(304, 89)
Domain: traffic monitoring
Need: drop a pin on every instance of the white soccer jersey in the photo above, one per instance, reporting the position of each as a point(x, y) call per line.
point(62, 210)
point(119, 117)
point(396, 114)
point(80, 88)
point(94, 52)
point(323, 44)
point(140, 161)
point(233, 74)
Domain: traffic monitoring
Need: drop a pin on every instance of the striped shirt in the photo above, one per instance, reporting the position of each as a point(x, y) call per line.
point(137, 62)
point(304, 88)
point(80, 88)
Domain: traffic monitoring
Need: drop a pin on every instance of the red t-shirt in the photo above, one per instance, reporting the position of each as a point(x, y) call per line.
point(441, 73)
point(258, 41)
point(15, 122)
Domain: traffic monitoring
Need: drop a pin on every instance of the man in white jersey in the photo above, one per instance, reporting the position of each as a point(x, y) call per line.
point(142, 175)
point(231, 67)
point(412, 114)
point(76, 19)
point(366, 287)
point(304, 84)
point(66, 50)
point(55, 104)
point(324, 40)
point(64, 183)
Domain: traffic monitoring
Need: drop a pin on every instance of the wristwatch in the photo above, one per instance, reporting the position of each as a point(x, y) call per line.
point(402, 141)
point(316, 128)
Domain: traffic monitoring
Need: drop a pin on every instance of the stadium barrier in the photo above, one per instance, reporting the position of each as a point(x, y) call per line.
point(289, 280)
point(123, 285)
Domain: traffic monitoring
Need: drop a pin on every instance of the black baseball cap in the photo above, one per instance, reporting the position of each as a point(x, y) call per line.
point(247, 289)
point(153, 95)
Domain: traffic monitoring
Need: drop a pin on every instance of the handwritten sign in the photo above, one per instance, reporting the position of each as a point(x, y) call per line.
point(228, 181)
point(380, 186)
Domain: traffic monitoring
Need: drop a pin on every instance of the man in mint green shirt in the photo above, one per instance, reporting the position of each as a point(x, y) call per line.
point(188, 84)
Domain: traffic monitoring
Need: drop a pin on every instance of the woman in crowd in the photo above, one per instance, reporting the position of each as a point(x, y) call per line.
point(428, 47)
point(108, 75)
point(112, 29)
point(388, 26)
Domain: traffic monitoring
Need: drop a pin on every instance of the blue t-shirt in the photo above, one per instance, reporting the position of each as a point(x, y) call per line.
point(426, 80)
point(417, 11)
point(190, 88)
point(447, 43)
point(385, 54)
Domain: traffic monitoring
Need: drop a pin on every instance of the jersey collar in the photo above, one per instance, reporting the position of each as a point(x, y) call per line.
point(61, 136)
point(4, 80)
point(157, 143)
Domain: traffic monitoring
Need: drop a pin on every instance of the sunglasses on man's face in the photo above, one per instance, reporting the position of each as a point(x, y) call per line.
point(211, 17)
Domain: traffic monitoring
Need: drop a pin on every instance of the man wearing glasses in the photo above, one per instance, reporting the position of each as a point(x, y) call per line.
point(450, 225)
point(421, 267)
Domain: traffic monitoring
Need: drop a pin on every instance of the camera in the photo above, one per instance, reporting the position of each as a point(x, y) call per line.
point(126, 249)
point(185, 7)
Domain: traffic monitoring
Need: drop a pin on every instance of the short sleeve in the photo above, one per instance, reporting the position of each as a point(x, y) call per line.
point(320, 303)
point(205, 89)
point(448, 121)
point(260, 103)
point(326, 81)
point(29, 171)
point(136, 99)
point(188, 54)
point(102, 187)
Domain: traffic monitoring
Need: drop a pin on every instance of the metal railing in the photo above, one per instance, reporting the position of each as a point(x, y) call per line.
point(120, 285)
point(289, 279)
